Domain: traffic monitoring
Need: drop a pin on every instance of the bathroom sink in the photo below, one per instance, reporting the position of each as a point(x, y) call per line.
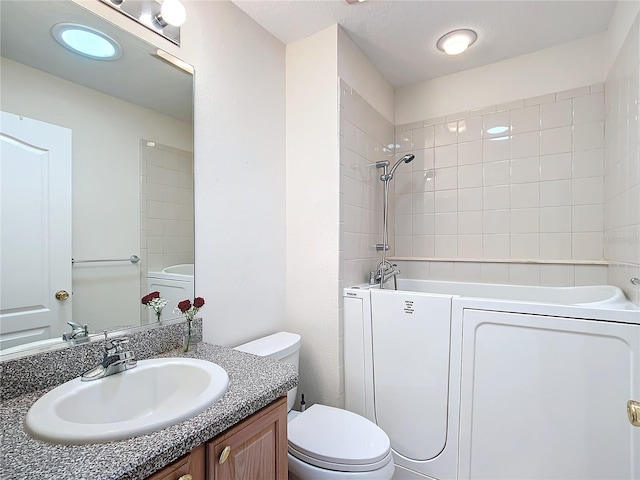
point(152, 396)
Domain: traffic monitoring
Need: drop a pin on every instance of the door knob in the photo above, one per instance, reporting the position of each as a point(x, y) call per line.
point(225, 454)
point(633, 411)
point(186, 477)
point(62, 295)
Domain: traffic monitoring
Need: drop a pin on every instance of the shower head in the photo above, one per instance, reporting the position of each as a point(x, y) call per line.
point(405, 159)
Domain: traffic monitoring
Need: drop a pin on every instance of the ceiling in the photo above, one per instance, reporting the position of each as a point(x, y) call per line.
point(399, 36)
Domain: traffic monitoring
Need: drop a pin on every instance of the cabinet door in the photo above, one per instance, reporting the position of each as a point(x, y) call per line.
point(545, 398)
point(189, 467)
point(254, 449)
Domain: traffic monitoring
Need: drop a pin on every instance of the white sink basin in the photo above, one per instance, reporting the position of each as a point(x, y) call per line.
point(154, 395)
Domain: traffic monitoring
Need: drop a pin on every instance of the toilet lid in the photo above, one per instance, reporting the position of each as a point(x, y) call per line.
point(337, 439)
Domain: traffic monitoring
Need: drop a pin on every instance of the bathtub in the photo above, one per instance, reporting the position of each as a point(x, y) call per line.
point(479, 381)
point(175, 283)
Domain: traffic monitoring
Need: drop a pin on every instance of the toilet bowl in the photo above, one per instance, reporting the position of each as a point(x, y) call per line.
point(326, 443)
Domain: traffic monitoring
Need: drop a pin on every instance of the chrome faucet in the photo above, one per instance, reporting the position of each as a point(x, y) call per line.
point(117, 358)
point(385, 270)
point(78, 334)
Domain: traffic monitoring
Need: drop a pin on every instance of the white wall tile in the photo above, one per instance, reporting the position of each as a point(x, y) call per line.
point(587, 191)
point(555, 167)
point(445, 246)
point(496, 245)
point(496, 198)
point(525, 170)
point(525, 220)
point(404, 141)
point(470, 223)
point(423, 203)
point(525, 120)
point(470, 176)
point(425, 160)
point(470, 246)
point(588, 136)
point(587, 246)
point(470, 129)
point(525, 145)
point(555, 140)
point(555, 246)
point(587, 218)
point(446, 178)
point(588, 108)
point(496, 221)
point(590, 275)
point(525, 245)
point(525, 195)
point(470, 152)
point(495, 149)
point(423, 224)
point(555, 193)
point(446, 156)
point(497, 173)
point(557, 275)
point(423, 137)
point(446, 134)
point(446, 201)
point(470, 199)
point(423, 246)
point(555, 219)
point(495, 123)
point(524, 274)
point(446, 223)
point(556, 114)
point(494, 273)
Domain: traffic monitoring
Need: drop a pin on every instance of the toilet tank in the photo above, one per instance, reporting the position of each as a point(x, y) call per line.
point(281, 346)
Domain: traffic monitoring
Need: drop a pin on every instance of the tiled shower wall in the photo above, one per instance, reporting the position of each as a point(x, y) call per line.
point(519, 183)
point(365, 136)
point(622, 167)
point(166, 208)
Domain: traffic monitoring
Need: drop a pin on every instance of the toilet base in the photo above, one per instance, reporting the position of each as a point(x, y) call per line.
point(298, 470)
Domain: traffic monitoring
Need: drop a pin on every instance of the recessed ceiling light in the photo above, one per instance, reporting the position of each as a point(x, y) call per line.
point(457, 41)
point(86, 41)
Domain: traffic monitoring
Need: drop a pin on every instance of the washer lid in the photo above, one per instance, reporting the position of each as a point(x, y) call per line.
point(337, 436)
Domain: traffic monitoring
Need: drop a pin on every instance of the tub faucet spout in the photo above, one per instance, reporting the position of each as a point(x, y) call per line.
point(385, 270)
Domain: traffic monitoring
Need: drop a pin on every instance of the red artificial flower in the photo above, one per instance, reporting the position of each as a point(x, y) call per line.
point(198, 302)
point(150, 296)
point(184, 305)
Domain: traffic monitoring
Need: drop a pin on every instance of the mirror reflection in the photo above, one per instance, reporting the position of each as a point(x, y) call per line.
point(97, 169)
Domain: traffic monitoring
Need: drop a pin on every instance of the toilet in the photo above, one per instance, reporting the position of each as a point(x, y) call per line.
point(326, 443)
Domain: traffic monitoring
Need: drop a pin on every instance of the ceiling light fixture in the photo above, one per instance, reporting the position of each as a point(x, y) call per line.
point(172, 12)
point(351, 2)
point(163, 17)
point(86, 41)
point(457, 41)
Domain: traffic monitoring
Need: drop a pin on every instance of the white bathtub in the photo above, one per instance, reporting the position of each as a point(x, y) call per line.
point(478, 381)
point(175, 283)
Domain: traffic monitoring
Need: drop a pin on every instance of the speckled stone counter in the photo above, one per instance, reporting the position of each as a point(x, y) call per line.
point(254, 382)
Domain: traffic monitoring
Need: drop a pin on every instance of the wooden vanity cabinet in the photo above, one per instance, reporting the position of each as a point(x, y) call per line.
point(255, 448)
point(190, 467)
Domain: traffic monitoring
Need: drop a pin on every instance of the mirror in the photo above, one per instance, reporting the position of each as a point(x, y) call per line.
point(130, 131)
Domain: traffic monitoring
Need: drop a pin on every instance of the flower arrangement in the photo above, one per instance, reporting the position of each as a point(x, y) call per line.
point(189, 311)
point(154, 302)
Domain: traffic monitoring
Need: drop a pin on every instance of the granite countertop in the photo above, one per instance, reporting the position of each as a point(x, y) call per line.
point(254, 382)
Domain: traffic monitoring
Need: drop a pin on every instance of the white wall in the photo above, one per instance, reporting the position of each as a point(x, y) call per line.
point(356, 69)
point(563, 67)
point(239, 155)
point(106, 170)
point(313, 211)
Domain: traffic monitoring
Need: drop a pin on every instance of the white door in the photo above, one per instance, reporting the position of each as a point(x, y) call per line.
point(35, 230)
point(545, 398)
